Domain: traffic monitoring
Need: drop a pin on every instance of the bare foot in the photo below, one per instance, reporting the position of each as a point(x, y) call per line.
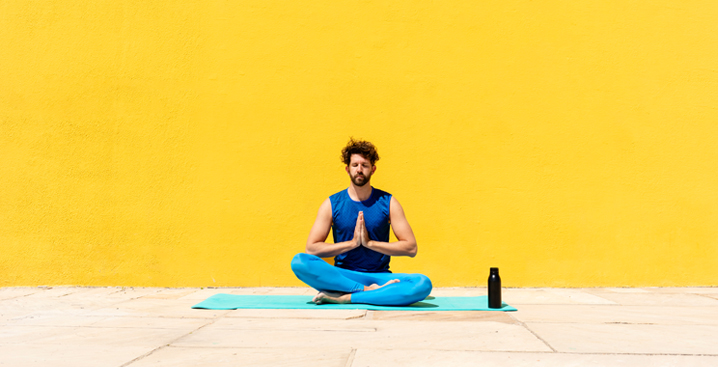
point(377, 286)
point(332, 297)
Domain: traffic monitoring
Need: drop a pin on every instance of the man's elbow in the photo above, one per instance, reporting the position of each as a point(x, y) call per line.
point(309, 249)
point(413, 250)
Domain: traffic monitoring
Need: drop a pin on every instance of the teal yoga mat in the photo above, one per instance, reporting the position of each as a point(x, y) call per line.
point(235, 301)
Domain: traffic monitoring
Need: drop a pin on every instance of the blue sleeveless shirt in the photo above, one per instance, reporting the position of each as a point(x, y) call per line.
point(345, 212)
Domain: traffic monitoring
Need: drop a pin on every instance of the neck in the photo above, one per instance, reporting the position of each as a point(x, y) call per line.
point(359, 193)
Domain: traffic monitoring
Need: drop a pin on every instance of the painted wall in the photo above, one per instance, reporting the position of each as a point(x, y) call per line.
point(190, 143)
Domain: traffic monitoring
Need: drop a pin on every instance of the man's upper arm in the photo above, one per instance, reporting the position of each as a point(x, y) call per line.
point(399, 224)
point(322, 225)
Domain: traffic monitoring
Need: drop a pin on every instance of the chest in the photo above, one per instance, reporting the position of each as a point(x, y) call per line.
point(376, 216)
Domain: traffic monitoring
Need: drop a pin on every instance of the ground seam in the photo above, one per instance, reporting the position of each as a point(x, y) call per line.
point(477, 351)
point(170, 342)
point(704, 295)
point(534, 334)
point(350, 358)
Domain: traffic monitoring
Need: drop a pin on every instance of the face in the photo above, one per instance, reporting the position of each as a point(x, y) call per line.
point(360, 170)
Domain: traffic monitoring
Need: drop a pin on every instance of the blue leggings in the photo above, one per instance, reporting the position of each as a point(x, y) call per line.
point(321, 276)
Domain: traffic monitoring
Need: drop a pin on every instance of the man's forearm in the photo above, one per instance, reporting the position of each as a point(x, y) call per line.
point(398, 248)
point(323, 249)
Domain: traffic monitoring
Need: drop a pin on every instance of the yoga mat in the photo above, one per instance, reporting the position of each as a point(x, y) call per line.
point(224, 301)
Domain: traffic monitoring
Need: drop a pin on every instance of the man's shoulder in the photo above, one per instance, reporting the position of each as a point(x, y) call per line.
point(337, 195)
point(381, 193)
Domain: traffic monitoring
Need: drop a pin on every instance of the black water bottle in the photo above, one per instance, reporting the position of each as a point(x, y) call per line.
point(494, 289)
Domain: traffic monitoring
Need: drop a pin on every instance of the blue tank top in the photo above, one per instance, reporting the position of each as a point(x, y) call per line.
point(345, 212)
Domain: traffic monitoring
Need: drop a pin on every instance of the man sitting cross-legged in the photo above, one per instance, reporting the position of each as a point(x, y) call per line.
point(360, 218)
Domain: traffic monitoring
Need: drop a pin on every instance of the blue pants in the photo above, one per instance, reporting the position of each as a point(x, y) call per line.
point(321, 276)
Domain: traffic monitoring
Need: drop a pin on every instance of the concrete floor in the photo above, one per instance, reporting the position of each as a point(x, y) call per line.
point(137, 327)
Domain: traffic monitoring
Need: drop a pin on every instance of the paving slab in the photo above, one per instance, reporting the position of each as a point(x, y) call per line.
point(416, 357)
point(692, 290)
point(112, 293)
point(55, 292)
point(188, 324)
point(547, 296)
point(69, 355)
point(299, 325)
point(298, 333)
point(202, 294)
point(714, 296)
point(624, 290)
point(9, 315)
point(595, 314)
point(51, 317)
point(230, 357)
point(30, 305)
point(580, 296)
point(144, 307)
point(132, 293)
point(170, 293)
point(504, 317)
point(13, 292)
point(629, 338)
point(647, 298)
point(89, 336)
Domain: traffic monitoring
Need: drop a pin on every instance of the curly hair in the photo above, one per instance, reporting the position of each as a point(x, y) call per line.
point(361, 147)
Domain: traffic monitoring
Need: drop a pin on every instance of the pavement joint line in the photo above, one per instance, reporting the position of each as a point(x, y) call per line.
point(642, 354)
point(617, 323)
point(212, 321)
point(365, 330)
point(350, 358)
point(66, 294)
point(16, 297)
point(96, 327)
point(534, 334)
point(706, 295)
point(362, 316)
point(514, 351)
point(114, 304)
point(465, 350)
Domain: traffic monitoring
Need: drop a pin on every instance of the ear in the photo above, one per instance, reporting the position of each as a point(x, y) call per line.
point(373, 169)
point(346, 168)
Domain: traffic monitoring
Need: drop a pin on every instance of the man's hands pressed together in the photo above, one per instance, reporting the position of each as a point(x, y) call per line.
point(405, 246)
point(361, 235)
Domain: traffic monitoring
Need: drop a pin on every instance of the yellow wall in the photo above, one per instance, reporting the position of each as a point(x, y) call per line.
point(190, 143)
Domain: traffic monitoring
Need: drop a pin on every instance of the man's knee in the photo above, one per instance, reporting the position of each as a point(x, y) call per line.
point(299, 263)
point(423, 285)
point(420, 287)
point(302, 263)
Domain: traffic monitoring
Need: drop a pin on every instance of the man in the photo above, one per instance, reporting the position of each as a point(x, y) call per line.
point(360, 218)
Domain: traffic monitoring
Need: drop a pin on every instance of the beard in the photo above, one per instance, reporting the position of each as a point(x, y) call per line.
point(360, 180)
